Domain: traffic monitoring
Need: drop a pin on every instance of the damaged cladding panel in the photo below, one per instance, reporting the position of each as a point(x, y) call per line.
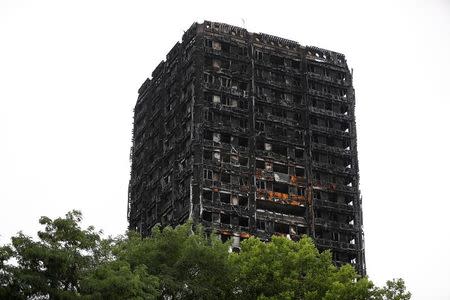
point(251, 135)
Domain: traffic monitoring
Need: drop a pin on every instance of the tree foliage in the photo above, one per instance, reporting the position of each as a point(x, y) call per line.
point(284, 269)
point(188, 264)
point(117, 280)
point(68, 262)
point(393, 290)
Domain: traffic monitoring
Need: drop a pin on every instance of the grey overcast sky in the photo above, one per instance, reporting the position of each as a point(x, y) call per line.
point(70, 71)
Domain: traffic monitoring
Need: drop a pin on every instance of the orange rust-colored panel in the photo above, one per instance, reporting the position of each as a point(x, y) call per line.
point(298, 198)
point(215, 190)
point(280, 195)
point(293, 179)
point(244, 235)
point(294, 203)
point(224, 232)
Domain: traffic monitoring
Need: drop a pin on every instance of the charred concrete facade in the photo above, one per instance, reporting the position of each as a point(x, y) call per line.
point(251, 135)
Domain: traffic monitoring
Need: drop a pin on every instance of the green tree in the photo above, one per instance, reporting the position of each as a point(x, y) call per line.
point(52, 266)
point(393, 290)
point(68, 262)
point(5, 273)
point(64, 256)
point(116, 280)
point(188, 263)
point(285, 269)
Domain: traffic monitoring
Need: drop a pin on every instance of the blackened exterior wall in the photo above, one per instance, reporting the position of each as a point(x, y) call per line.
point(249, 134)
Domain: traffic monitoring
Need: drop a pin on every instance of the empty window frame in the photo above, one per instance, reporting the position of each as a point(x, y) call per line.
point(225, 178)
point(258, 55)
point(225, 81)
point(279, 112)
point(299, 153)
point(208, 135)
point(225, 198)
point(280, 187)
point(243, 104)
point(261, 184)
point(243, 201)
point(300, 171)
point(243, 221)
point(334, 236)
point(225, 219)
point(277, 60)
point(259, 125)
point(243, 181)
point(243, 142)
point(207, 195)
point(279, 149)
point(225, 138)
point(207, 155)
point(207, 216)
point(260, 164)
point(279, 168)
point(243, 123)
point(260, 224)
point(208, 78)
point(226, 158)
point(259, 145)
point(298, 99)
point(208, 43)
point(243, 161)
point(207, 174)
point(209, 115)
point(230, 102)
point(281, 228)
